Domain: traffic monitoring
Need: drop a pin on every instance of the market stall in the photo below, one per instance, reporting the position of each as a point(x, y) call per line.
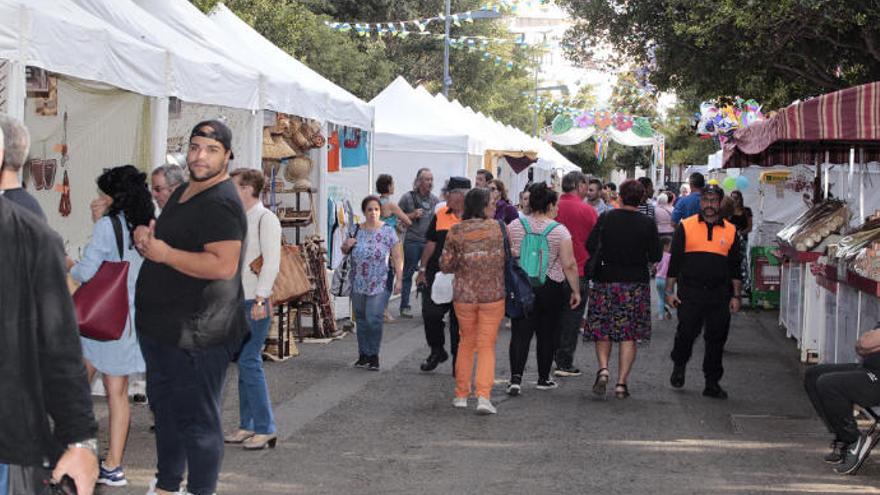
point(829, 250)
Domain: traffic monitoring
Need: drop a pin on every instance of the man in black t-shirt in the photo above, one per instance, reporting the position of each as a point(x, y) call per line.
point(189, 311)
point(15, 142)
point(433, 313)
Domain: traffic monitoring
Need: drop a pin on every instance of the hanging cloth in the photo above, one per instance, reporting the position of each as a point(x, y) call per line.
point(333, 152)
point(355, 152)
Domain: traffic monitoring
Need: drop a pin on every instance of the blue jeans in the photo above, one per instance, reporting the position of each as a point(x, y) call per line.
point(661, 291)
point(412, 254)
point(368, 313)
point(254, 405)
point(4, 476)
point(184, 388)
point(389, 285)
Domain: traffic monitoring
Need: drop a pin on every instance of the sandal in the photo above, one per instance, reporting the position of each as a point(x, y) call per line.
point(621, 391)
point(601, 381)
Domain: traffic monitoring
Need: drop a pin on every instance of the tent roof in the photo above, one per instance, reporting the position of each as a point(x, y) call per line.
point(831, 123)
point(317, 97)
point(197, 75)
point(403, 111)
point(59, 36)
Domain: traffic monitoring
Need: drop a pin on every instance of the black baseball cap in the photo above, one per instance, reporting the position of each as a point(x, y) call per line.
point(458, 183)
point(713, 189)
point(219, 132)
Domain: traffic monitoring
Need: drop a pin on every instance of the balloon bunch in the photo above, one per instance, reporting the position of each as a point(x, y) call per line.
point(719, 122)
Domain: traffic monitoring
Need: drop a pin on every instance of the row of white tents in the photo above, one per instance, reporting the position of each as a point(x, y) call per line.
point(120, 61)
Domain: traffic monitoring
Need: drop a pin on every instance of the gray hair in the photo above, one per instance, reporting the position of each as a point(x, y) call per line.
point(419, 177)
point(174, 175)
point(17, 145)
point(572, 179)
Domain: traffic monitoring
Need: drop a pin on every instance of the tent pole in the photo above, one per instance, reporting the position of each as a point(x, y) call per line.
point(852, 168)
point(862, 168)
point(828, 171)
point(159, 134)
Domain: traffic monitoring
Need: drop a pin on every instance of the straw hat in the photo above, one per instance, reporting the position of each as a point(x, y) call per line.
point(275, 147)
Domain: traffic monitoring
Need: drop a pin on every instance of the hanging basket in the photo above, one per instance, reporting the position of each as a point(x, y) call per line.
point(297, 171)
point(276, 148)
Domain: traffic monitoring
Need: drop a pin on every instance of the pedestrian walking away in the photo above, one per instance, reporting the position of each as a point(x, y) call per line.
point(433, 313)
point(661, 270)
point(49, 430)
point(189, 312)
point(689, 205)
point(256, 428)
point(663, 216)
point(374, 244)
point(834, 389)
point(579, 218)
point(544, 249)
point(124, 189)
point(418, 205)
point(625, 242)
point(474, 253)
point(705, 264)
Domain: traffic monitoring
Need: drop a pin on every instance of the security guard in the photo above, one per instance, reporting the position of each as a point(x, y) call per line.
point(705, 261)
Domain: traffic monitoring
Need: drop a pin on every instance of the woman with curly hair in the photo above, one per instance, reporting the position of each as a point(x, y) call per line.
point(130, 205)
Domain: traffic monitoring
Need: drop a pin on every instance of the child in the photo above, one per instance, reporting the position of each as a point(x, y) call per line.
point(662, 267)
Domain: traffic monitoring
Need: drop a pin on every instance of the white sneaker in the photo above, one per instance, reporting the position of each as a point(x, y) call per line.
point(459, 402)
point(152, 489)
point(484, 406)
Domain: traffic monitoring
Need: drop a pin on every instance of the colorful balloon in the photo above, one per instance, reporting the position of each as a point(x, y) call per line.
point(729, 184)
point(742, 182)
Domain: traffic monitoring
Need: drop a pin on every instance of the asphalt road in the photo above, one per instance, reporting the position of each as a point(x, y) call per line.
point(346, 430)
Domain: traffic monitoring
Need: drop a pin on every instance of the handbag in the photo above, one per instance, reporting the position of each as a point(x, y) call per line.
point(292, 281)
point(519, 298)
point(340, 286)
point(102, 303)
point(441, 289)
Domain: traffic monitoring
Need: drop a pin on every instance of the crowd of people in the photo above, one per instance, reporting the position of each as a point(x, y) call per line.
point(562, 267)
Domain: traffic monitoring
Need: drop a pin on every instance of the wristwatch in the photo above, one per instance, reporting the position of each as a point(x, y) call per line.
point(90, 444)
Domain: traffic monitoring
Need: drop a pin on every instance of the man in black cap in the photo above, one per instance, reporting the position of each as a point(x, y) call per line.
point(189, 316)
point(432, 313)
point(705, 261)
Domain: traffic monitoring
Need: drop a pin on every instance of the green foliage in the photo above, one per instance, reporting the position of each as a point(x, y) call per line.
point(773, 51)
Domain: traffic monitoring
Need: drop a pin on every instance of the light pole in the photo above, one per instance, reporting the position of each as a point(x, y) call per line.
point(479, 14)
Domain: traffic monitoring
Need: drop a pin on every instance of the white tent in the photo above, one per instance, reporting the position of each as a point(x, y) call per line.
point(196, 75)
point(58, 36)
point(412, 133)
point(315, 96)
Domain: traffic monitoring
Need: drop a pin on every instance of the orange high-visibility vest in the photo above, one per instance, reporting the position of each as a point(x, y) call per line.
point(446, 220)
point(696, 236)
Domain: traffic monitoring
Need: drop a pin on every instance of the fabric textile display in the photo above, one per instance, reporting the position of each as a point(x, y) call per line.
point(333, 152)
point(354, 150)
point(518, 164)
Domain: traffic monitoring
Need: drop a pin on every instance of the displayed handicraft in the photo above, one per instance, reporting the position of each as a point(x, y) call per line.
point(814, 225)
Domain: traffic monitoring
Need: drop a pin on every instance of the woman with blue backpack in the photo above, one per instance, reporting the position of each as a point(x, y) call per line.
point(545, 252)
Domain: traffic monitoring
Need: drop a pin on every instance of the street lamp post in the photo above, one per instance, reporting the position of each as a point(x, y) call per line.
point(479, 14)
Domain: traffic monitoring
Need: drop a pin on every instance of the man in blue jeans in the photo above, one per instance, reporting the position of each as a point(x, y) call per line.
point(418, 205)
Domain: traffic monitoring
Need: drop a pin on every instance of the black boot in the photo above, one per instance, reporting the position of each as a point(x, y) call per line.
point(361, 362)
point(373, 363)
point(436, 357)
point(677, 378)
point(714, 391)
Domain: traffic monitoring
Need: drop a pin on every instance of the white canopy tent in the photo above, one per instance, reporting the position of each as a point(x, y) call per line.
point(411, 133)
point(314, 97)
point(60, 37)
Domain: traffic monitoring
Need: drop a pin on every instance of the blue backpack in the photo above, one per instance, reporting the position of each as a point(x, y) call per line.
point(519, 299)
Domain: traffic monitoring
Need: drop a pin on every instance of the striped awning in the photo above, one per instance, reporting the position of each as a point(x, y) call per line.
point(804, 132)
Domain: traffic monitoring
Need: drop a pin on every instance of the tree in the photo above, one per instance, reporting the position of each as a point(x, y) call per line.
point(770, 50)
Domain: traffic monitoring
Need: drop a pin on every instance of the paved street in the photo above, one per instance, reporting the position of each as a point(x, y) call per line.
point(346, 430)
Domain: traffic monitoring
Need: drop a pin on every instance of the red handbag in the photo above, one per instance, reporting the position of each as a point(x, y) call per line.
point(102, 303)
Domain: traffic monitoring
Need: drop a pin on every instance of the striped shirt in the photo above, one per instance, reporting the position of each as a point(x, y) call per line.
point(554, 239)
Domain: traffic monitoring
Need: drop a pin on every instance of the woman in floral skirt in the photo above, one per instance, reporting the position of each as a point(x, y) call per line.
point(626, 242)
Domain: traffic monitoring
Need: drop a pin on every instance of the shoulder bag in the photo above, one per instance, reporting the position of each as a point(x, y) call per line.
point(102, 303)
point(292, 281)
point(519, 299)
point(340, 286)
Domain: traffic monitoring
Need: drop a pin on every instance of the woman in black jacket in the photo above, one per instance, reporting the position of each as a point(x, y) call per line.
point(625, 242)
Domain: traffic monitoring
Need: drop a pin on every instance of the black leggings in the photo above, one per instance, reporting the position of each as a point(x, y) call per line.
point(550, 302)
point(834, 388)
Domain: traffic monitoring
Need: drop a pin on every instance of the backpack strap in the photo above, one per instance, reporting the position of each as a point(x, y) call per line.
point(548, 228)
point(507, 252)
point(525, 225)
point(117, 229)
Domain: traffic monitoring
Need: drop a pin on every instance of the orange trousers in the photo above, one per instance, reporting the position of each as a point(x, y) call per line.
point(478, 330)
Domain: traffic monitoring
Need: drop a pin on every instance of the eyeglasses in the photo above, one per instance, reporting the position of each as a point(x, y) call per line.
point(493, 188)
point(159, 189)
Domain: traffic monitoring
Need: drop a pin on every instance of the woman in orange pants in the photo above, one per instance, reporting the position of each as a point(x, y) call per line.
point(474, 252)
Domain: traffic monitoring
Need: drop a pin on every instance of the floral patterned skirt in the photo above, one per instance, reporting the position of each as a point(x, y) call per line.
point(619, 312)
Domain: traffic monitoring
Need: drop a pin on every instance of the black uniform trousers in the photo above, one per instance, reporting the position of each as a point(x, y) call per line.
point(435, 327)
point(695, 313)
point(834, 388)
